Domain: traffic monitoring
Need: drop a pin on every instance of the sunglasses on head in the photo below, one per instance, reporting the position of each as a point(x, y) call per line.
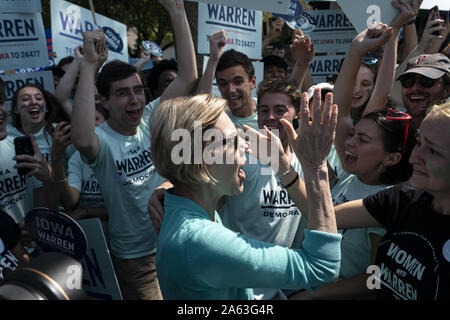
point(409, 80)
point(369, 60)
point(398, 115)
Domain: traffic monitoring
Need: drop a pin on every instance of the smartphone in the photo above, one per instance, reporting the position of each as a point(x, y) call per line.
point(296, 123)
point(23, 145)
point(65, 125)
point(436, 15)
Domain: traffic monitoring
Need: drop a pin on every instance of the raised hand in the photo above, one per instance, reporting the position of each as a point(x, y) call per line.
point(275, 29)
point(273, 153)
point(407, 12)
point(172, 5)
point(370, 39)
point(302, 48)
point(217, 42)
point(94, 46)
point(61, 140)
point(429, 42)
point(313, 139)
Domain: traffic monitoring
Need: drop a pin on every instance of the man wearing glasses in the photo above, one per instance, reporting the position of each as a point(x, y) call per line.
point(425, 80)
point(118, 150)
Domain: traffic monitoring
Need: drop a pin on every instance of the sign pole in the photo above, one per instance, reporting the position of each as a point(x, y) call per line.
point(91, 4)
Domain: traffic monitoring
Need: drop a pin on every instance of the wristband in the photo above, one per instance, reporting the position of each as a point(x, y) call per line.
point(61, 181)
point(292, 182)
point(286, 172)
point(410, 22)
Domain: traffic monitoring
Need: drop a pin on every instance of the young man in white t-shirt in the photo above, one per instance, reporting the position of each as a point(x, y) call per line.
point(119, 151)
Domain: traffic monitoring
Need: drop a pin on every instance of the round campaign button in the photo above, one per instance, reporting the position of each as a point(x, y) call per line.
point(446, 250)
point(2, 246)
point(303, 21)
point(152, 47)
point(56, 231)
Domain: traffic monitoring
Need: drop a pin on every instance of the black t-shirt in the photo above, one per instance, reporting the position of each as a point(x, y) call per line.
point(9, 238)
point(414, 255)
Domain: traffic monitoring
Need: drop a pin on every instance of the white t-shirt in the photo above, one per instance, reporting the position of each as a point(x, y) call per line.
point(16, 191)
point(81, 177)
point(251, 121)
point(355, 245)
point(127, 178)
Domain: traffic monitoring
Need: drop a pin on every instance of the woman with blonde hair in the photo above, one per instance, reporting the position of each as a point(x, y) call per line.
point(197, 257)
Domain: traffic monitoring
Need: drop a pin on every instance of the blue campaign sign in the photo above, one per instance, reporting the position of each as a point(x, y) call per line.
point(99, 278)
point(242, 26)
point(295, 10)
point(17, 80)
point(152, 47)
point(70, 21)
point(113, 40)
point(303, 21)
point(55, 231)
point(20, 6)
point(22, 41)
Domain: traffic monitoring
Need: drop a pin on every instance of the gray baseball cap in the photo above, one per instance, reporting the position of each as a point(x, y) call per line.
point(432, 66)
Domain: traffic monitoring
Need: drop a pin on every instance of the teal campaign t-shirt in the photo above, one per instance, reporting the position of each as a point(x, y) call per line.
point(127, 178)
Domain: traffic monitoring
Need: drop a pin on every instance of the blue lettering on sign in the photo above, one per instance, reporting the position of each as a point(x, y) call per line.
point(113, 40)
point(12, 86)
point(72, 26)
point(94, 270)
point(331, 22)
point(232, 17)
point(325, 66)
point(17, 29)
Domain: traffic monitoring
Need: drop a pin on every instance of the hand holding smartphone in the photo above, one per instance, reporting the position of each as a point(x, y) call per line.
point(436, 16)
point(23, 145)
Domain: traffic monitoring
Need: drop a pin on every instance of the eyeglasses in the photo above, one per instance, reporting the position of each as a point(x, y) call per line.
point(369, 60)
point(397, 115)
point(234, 139)
point(126, 92)
point(409, 80)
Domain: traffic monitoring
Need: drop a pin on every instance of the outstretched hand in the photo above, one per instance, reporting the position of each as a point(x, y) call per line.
point(265, 146)
point(313, 139)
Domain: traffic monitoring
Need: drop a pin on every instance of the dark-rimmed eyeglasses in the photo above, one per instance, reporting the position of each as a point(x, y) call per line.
point(234, 139)
point(369, 60)
point(409, 80)
point(398, 115)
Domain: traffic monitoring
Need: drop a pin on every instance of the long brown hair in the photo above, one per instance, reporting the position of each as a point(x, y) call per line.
point(51, 103)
